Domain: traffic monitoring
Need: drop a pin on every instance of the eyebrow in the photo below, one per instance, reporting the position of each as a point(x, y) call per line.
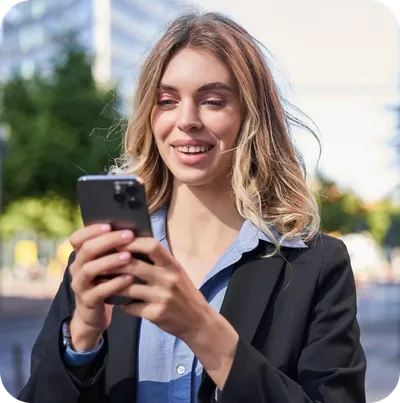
point(206, 87)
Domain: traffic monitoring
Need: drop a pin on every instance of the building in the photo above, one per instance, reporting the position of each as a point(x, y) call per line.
point(115, 32)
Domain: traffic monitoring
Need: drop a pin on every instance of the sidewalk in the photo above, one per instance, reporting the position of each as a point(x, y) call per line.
point(21, 298)
point(29, 289)
point(382, 349)
point(17, 308)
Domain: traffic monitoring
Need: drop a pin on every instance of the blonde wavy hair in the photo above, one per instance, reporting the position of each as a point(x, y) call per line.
point(268, 175)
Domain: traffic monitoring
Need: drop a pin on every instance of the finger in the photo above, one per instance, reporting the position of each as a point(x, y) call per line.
point(85, 233)
point(151, 273)
point(101, 245)
point(142, 292)
point(153, 249)
point(137, 309)
point(106, 289)
point(146, 310)
point(115, 263)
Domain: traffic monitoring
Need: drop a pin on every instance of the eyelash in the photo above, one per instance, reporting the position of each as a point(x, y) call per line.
point(168, 102)
point(165, 102)
point(215, 103)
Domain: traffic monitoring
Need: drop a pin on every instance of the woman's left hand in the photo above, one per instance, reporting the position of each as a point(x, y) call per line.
point(171, 301)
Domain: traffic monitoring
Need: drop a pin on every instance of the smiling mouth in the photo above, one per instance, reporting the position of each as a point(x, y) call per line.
point(193, 149)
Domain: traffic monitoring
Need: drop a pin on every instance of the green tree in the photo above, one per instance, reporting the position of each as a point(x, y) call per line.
point(48, 216)
point(61, 126)
point(379, 219)
point(340, 211)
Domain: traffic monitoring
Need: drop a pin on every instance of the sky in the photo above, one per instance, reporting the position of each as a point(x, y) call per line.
point(341, 58)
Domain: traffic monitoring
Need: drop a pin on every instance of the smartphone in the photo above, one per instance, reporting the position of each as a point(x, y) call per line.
point(118, 200)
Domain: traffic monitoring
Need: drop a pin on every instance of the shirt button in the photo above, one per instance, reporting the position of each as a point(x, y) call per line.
point(180, 369)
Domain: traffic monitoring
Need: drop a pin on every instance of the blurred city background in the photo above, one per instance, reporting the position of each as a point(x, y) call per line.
point(67, 72)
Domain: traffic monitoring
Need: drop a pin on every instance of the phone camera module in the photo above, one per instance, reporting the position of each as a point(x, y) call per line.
point(119, 197)
point(131, 190)
point(133, 203)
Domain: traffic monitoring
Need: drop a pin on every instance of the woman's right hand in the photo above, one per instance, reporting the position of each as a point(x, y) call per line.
point(92, 316)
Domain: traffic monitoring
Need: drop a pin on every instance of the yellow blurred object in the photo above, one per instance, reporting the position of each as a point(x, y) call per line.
point(63, 251)
point(26, 253)
point(335, 234)
point(54, 269)
point(57, 265)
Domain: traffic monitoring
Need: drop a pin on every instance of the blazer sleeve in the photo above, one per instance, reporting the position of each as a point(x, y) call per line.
point(331, 367)
point(50, 379)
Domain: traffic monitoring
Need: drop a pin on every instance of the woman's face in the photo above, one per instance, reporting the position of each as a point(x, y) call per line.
point(197, 117)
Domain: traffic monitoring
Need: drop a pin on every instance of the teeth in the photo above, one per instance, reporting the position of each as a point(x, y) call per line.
point(193, 149)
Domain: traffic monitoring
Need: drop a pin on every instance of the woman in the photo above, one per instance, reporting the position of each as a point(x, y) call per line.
point(246, 301)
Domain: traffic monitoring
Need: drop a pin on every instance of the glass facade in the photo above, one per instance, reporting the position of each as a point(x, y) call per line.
point(134, 24)
point(29, 32)
point(38, 8)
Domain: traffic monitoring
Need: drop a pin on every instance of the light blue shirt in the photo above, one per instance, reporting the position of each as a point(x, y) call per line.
point(168, 371)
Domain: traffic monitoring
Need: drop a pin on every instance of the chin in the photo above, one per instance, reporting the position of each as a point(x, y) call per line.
point(193, 178)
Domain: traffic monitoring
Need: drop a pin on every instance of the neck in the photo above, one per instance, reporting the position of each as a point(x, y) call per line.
point(202, 220)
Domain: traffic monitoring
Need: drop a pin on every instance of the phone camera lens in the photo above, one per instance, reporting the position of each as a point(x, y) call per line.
point(133, 203)
point(131, 189)
point(119, 197)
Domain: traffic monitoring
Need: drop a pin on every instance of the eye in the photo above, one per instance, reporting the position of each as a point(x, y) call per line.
point(165, 102)
point(214, 103)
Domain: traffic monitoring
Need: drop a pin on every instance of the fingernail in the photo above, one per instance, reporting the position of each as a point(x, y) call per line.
point(128, 277)
point(105, 227)
point(127, 235)
point(124, 256)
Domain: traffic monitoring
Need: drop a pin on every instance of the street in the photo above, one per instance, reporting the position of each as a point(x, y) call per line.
point(379, 317)
point(21, 332)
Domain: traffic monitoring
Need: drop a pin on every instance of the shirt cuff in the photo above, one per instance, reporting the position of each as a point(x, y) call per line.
point(79, 359)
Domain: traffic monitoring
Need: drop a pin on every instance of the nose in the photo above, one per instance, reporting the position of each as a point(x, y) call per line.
point(189, 119)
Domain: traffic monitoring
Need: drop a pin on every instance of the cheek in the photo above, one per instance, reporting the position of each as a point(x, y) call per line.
point(162, 125)
point(227, 129)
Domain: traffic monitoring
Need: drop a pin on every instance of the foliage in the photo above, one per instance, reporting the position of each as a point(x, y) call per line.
point(49, 216)
point(61, 126)
point(340, 211)
point(344, 212)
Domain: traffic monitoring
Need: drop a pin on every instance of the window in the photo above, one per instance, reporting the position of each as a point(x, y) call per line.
point(27, 69)
point(30, 37)
point(5, 72)
point(38, 8)
point(132, 24)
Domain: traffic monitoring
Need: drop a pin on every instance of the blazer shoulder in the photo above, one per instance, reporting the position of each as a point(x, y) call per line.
point(322, 253)
point(329, 254)
point(322, 242)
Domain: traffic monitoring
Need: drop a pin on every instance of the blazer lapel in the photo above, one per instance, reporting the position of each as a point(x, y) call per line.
point(249, 292)
point(122, 357)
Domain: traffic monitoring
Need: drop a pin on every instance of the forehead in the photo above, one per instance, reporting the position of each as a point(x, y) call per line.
point(194, 67)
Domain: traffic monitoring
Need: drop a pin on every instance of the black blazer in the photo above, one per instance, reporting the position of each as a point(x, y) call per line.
point(299, 338)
